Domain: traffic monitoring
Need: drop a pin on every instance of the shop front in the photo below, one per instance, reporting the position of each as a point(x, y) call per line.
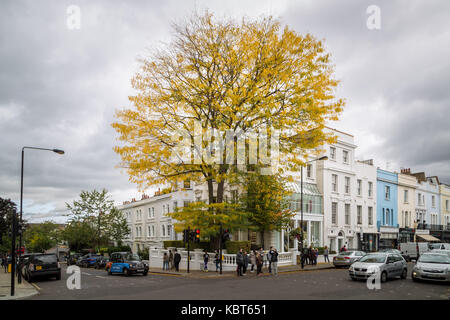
point(388, 238)
point(406, 235)
point(368, 242)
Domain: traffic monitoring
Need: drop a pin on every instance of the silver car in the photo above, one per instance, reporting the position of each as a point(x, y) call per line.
point(434, 266)
point(346, 258)
point(389, 265)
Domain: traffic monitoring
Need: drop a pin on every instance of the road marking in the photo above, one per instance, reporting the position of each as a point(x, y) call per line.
point(35, 286)
point(100, 277)
point(88, 274)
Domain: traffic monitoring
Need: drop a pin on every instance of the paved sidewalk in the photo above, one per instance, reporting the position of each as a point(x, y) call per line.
point(23, 290)
point(227, 274)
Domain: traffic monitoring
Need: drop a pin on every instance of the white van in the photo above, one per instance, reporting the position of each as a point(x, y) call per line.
point(410, 248)
point(441, 246)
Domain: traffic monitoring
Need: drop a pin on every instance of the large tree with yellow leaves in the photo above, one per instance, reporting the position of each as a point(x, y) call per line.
point(225, 75)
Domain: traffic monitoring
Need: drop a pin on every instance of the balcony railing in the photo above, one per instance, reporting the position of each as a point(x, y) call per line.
point(433, 227)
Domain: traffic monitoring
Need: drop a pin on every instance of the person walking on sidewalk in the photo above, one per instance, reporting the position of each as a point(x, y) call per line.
point(170, 259)
point(252, 260)
point(176, 260)
point(245, 265)
point(274, 260)
point(269, 258)
point(216, 260)
point(239, 262)
point(325, 254)
point(165, 261)
point(259, 263)
point(205, 261)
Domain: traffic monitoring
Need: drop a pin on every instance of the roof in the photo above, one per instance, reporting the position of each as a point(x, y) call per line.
point(308, 188)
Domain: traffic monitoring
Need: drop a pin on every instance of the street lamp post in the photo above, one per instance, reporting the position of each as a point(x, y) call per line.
point(302, 258)
point(58, 151)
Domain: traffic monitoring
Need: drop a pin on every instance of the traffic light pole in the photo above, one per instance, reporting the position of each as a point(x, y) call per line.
point(220, 247)
point(189, 255)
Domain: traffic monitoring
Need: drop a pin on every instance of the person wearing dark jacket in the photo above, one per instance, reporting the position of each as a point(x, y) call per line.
point(274, 257)
point(245, 265)
point(239, 262)
point(176, 260)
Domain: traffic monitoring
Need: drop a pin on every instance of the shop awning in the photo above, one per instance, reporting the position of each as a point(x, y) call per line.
point(427, 237)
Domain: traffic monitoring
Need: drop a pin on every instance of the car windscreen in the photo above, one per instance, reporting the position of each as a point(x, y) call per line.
point(434, 258)
point(45, 258)
point(435, 246)
point(373, 258)
point(133, 257)
point(346, 253)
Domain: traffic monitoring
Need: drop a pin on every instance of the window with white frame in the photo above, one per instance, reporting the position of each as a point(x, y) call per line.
point(419, 197)
point(163, 230)
point(359, 214)
point(359, 187)
point(345, 156)
point(334, 182)
point(387, 192)
point(447, 205)
point(153, 231)
point(153, 212)
point(433, 201)
point(309, 170)
point(334, 213)
point(163, 209)
point(370, 190)
point(347, 214)
point(405, 196)
point(347, 185)
point(333, 153)
point(149, 232)
point(370, 215)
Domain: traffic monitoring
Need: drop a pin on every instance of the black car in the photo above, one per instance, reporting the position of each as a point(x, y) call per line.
point(41, 264)
point(73, 258)
point(101, 263)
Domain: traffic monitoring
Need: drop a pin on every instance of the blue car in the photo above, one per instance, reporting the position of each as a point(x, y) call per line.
point(127, 263)
point(88, 260)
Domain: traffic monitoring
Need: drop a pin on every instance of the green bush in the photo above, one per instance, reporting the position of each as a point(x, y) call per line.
point(204, 245)
point(118, 249)
point(234, 246)
point(143, 254)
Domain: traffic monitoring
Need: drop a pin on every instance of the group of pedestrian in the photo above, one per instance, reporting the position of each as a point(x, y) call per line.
point(171, 261)
point(310, 255)
point(256, 258)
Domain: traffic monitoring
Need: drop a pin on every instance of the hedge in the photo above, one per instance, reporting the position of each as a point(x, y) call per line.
point(192, 245)
point(234, 246)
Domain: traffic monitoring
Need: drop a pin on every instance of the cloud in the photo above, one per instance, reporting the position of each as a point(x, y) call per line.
point(60, 87)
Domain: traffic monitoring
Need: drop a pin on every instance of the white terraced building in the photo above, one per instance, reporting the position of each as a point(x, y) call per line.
point(148, 220)
point(349, 195)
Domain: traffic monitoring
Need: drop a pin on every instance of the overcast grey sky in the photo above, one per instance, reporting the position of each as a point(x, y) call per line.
point(60, 87)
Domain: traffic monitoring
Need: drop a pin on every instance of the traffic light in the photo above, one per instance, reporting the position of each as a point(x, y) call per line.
point(186, 235)
point(197, 235)
point(226, 235)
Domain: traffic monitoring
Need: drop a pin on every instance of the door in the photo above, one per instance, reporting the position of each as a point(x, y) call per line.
point(390, 266)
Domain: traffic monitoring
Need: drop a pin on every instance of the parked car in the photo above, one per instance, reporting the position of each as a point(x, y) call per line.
point(101, 262)
point(73, 258)
point(127, 263)
point(441, 251)
point(404, 255)
point(88, 260)
point(41, 264)
point(442, 246)
point(346, 258)
point(433, 266)
point(388, 264)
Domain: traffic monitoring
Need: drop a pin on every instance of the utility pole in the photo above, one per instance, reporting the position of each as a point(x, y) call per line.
point(220, 247)
point(13, 251)
point(189, 255)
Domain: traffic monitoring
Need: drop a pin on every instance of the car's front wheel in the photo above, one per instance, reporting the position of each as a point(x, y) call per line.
point(58, 276)
point(145, 273)
point(404, 273)
point(383, 276)
point(127, 272)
